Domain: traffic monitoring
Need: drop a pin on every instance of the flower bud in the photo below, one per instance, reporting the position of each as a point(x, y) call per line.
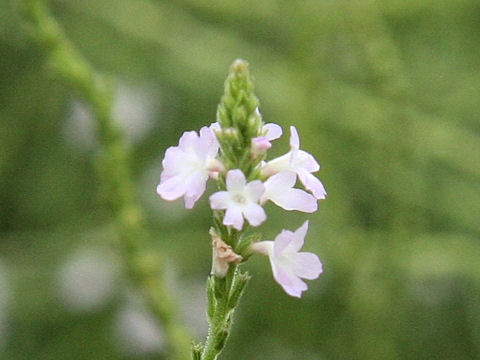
point(260, 145)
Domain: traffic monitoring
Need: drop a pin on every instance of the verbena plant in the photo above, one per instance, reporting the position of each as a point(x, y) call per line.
point(233, 152)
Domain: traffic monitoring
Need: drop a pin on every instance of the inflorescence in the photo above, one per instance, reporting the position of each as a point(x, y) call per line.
point(232, 151)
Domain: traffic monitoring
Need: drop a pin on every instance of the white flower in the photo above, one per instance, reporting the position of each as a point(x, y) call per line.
point(288, 264)
point(300, 162)
point(186, 167)
point(279, 189)
point(240, 200)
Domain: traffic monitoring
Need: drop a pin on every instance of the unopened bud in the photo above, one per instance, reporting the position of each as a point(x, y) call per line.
point(237, 289)
point(214, 165)
point(260, 145)
point(239, 65)
point(231, 134)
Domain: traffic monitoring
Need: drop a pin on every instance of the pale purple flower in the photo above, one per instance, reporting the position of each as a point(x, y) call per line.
point(186, 167)
point(289, 265)
point(300, 162)
point(240, 200)
point(279, 189)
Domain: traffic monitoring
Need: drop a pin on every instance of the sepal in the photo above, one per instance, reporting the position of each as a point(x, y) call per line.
point(238, 286)
point(243, 245)
point(211, 300)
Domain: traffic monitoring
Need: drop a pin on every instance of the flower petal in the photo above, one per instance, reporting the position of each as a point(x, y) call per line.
point(299, 237)
point(278, 188)
point(296, 199)
point(282, 240)
point(294, 140)
point(307, 265)
point(233, 217)
point(312, 183)
point(278, 182)
point(255, 214)
point(235, 180)
point(174, 162)
point(273, 131)
point(187, 139)
point(215, 126)
point(305, 161)
point(255, 190)
point(276, 165)
point(292, 284)
point(209, 143)
point(219, 200)
point(195, 187)
point(172, 188)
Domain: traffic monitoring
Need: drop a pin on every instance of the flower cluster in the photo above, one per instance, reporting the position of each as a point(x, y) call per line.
point(187, 167)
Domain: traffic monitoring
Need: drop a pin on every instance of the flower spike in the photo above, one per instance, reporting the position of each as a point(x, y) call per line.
point(232, 151)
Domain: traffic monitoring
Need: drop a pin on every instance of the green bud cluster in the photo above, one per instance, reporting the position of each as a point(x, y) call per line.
point(240, 121)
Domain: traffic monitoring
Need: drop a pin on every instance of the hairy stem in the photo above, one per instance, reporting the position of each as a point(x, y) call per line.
point(144, 265)
point(223, 297)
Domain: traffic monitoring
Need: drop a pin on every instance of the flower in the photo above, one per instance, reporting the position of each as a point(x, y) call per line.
point(300, 162)
point(186, 167)
point(288, 264)
point(279, 189)
point(240, 200)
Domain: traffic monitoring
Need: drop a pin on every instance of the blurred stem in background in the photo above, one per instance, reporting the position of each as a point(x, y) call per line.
point(143, 264)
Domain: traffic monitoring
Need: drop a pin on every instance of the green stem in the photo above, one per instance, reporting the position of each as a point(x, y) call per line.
point(223, 298)
point(144, 266)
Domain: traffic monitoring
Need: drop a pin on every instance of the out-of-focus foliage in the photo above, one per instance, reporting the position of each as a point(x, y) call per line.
point(385, 94)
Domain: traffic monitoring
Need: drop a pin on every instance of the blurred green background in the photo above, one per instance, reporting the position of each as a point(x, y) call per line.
point(385, 94)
